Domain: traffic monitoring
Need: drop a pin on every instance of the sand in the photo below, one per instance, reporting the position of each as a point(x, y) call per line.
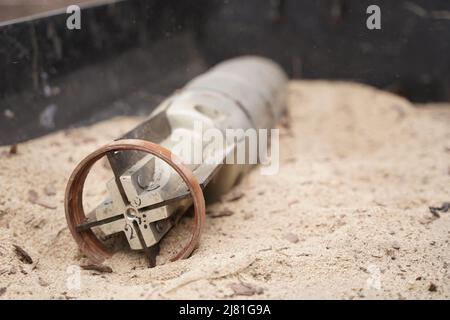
point(346, 217)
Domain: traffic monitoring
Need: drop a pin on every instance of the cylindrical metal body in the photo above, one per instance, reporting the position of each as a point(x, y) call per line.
point(242, 93)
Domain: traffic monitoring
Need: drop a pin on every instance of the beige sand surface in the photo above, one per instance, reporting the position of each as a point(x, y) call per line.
point(346, 217)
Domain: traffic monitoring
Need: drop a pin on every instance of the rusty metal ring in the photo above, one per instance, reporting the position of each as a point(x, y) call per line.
point(86, 240)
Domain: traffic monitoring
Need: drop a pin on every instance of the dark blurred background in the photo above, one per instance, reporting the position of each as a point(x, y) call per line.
point(129, 54)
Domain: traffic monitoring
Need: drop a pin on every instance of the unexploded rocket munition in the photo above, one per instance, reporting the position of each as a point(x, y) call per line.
point(153, 182)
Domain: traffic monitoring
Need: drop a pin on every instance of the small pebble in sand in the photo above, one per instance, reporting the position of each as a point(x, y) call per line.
point(13, 149)
point(390, 253)
point(222, 213)
point(23, 255)
point(97, 267)
point(232, 196)
point(396, 245)
point(50, 190)
point(291, 237)
point(245, 289)
point(291, 203)
point(43, 283)
point(46, 204)
point(248, 216)
point(33, 197)
point(432, 287)
point(426, 220)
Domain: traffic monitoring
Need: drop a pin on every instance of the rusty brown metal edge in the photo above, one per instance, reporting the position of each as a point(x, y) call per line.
point(88, 243)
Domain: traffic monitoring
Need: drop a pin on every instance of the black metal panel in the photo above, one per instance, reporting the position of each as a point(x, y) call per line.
point(329, 39)
point(124, 60)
